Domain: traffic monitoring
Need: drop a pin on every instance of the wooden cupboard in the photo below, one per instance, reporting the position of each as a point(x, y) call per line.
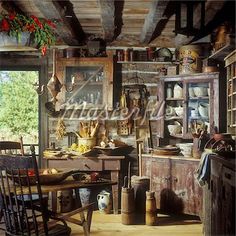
point(172, 180)
point(197, 95)
point(86, 80)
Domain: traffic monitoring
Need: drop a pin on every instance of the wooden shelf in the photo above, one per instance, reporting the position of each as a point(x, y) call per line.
point(197, 98)
point(224, 51)
point(145, 62)
point(174, 99)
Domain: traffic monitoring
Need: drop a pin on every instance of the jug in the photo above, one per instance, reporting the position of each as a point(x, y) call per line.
point(104, 202)
point(178, 91)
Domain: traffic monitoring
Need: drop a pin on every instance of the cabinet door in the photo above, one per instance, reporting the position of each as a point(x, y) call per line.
point(158, 169)
point(188, 194)
point(87, 82)
point(200, 109)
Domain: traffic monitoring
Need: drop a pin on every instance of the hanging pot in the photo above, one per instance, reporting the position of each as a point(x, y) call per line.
point(54, 85)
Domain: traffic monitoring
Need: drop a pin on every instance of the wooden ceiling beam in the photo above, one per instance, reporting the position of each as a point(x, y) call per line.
point(211, 9)
point(53, 10)
point(153, 18)
point(107, 8)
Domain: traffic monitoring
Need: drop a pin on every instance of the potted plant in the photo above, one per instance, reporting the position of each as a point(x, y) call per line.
point(40, 31)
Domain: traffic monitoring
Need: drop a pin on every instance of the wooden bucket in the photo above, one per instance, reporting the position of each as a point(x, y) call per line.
point(140, 185)
point(127, 206)
point(189, 58)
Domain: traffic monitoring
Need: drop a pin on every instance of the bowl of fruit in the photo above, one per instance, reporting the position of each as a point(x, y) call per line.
point(46, 176)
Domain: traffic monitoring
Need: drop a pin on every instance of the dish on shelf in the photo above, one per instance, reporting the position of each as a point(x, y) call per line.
point(200, 91)
point(175, 128)
point(204, 110)
point(179, 111)
point(164, 53)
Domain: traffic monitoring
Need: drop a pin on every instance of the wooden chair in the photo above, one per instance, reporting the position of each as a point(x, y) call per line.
point(12, 147)
point(25, 217)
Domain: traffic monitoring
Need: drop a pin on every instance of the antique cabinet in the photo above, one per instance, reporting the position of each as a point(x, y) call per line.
point(222, 203)
point(86, 81)
point(230, 63)
point(172, 180)
point(188, 99)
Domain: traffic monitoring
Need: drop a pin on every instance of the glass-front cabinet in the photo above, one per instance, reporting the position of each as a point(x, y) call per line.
point(88, 82)
point(191, 104)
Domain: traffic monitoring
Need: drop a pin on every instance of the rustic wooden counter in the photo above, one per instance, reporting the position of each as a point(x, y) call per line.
point(173, 181)
point(112, 164)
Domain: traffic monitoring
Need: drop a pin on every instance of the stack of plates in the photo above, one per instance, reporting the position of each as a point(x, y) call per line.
point(167, 150)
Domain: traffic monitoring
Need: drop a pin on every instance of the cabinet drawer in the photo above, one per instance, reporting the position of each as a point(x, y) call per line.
point(80, 164)
point(228, 176)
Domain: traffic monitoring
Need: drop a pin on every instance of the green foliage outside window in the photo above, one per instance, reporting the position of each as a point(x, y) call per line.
point(18, 103)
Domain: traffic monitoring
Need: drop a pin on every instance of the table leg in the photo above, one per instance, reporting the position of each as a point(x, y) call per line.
point(115, 191)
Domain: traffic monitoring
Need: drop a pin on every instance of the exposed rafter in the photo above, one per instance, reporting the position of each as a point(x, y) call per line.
point(52, 10)
point(107, 8)
point(211, 9)
point(155, 16)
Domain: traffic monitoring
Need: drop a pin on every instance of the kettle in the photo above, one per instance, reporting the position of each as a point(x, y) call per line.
point(104, 202)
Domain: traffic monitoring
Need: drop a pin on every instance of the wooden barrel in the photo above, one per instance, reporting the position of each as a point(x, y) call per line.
point(151, 211)
point(189, 58)
point(140, 185)
point(127, 206)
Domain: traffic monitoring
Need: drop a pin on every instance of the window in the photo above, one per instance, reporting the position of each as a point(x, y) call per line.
point(19, 106)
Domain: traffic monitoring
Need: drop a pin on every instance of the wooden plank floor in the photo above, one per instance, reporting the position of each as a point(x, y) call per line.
point(110, 225)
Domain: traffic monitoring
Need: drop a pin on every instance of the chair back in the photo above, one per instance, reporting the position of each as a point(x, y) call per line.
point(12, 147)
point(21, 215)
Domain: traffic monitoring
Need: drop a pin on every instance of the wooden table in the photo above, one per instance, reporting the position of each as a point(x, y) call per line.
point(113, 164)
point(67, 184)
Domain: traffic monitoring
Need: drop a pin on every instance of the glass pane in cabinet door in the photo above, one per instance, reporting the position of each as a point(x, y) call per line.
point(174, 110)
point(198, 108)
point(88, 85)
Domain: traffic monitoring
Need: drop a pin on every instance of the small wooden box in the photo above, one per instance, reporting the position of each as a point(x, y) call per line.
point(172, 70)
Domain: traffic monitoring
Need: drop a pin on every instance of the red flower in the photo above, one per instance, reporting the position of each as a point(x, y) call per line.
point(37, 21)
point(5, 25)
point(44, 50)
point(50, 23)
point(12, 16)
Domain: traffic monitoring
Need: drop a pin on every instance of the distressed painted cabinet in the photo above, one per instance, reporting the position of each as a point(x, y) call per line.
point(197, 95)
point(172, 180)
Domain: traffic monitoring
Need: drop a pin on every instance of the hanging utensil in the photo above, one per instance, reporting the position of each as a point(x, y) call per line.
point(54, 85)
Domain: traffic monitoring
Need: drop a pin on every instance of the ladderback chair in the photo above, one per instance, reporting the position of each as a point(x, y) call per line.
point(12, 147)
point(25, 217)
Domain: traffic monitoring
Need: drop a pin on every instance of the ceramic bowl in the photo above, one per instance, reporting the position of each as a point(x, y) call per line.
point(174, 129)
point(200, 91)
point(186, 149)
point(170, 111)
point(203, 110)
point(191, 92)
point(179, 111)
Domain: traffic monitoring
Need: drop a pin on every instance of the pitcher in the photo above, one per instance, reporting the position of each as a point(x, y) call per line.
point(104, 202)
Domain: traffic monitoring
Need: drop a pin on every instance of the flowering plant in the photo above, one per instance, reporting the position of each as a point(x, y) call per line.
point(41, 30)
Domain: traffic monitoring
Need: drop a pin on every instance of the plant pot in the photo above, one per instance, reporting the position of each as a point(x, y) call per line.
point(23, 43)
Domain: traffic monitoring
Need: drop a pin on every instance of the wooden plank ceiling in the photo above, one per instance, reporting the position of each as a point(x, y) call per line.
point(118, 22)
